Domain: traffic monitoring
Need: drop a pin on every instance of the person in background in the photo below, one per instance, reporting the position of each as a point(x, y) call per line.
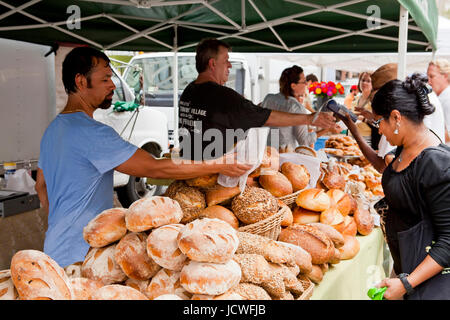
point(307, 102)
point(351, 96)
point(417, 190)
point(438, 76)
point(292, 84)
point(78, 156)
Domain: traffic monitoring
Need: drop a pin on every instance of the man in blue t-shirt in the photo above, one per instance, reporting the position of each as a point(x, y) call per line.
point(78, 156)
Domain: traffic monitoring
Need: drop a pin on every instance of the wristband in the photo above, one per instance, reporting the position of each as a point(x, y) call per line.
point(405, 282)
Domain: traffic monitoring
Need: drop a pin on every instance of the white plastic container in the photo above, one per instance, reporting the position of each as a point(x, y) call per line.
point(10, 169)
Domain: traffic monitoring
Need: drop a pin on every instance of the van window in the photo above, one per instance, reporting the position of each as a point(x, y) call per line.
point(158, 78)
point(119, 94)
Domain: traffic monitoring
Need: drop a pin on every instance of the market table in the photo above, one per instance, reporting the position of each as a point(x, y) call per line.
point(350, 279)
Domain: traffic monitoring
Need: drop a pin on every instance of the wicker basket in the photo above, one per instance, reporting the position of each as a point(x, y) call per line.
point(269, 227)
point(290, 198)
point(308, 285)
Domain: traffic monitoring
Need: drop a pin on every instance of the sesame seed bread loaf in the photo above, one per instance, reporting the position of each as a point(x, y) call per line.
point(106, 228)
point(118, 292)
point(7, 289)
point(208, 240)
point(131, 255)
point(36, 276)
point(100, 264)
point(152, 212)
point(250, 291)
point(254, 205)
point(210, 278)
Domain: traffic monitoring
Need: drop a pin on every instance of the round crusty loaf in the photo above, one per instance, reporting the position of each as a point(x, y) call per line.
point(210, 278)
point(99, 264)
point(106, 228)
point(131, 255)
point(36, 276)
point(364, 221)
point(311, 239)
point(341, 200)
point(7, 289)
point(74, 270)
point(332, 233)
point(162, 247)
point(276, 183)
point(206, 181)
point(166, 282)
point(350, 248)
point(254, 205)
point(348, 227)
point(208, 240)
point(221, 195)
point(139, 285)
point(191, 200)
point(333, 180)
point(221, 213)
point(152, 212)
point(84, 288)
point(304, 216)
point(332, 216)
point(297, 174)
point(313, 199)
point(118, 292)
point(168, 297)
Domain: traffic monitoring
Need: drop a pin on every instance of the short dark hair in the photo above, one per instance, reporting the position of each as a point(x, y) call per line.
point(409, 97)
point(288, 76)
point(207, 49)
point(80, 60)
point(312, 77)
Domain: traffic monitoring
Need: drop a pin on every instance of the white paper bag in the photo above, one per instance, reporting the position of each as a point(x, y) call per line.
point(21, 181)
point(251, 151)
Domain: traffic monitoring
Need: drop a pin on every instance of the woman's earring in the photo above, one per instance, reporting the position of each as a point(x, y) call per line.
point(396, 129)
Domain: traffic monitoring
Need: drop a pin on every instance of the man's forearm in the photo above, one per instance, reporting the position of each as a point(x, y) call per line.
point(43, 197)
point(286, 119)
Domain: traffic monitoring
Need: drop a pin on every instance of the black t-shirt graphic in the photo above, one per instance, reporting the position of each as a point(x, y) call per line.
point(212, 118)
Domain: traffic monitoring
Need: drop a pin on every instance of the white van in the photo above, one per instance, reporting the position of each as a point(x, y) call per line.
point(145, 128)
point(158, 79)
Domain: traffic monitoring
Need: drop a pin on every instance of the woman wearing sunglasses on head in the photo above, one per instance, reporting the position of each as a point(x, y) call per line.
point(417, 189)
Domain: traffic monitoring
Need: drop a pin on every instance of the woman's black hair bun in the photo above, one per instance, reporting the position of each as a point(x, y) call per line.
point(418, 84)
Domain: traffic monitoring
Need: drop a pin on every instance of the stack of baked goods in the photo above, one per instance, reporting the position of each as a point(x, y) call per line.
point(341, 145)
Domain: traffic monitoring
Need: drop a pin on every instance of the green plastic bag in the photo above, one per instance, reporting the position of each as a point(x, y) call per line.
point(376, 293)
point(121, 106)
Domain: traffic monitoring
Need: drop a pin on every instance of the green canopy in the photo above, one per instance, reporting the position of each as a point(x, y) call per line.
point(307, 26)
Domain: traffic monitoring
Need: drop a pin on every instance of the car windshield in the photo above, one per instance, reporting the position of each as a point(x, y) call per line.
point(158, 75)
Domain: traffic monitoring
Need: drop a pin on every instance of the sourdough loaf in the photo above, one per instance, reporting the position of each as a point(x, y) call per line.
point(7, 289)
point(84, 288)
point(118, 292)
point(74, 270)
point(166, 282)
point(106, 228)
point(191, 200)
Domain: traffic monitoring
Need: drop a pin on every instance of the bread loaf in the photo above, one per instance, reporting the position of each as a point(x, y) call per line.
point(333, 180)
point(350, 249)
point(332, 216)
point(276, 183)
point(313, 199)
point(254, 205)
point(191, 200)
point(254, 268)
point(270, 249)
point(221, 213)
point(316, 274)
point(166, 282)
point(252, 182)
point(288, 218)
point(36, 276)
point(332, 233)
point(341, 200)
point(152, 212)
point(270, 162)
point(210, 278)
point(131, 255)
point(206, 181)
point(250, 291)
point(221, 195)
point(306, 151)
point(84, 288)
point(305, 216)
point(348, 227)
point(7, 289)
point(139, 285)
point(229, 295)
point(208, 240)
point(106, 228)
point(162, 247)
point(364, 221)
point(99, 264)
point(297, 174)
point(301, 256)
point(117, 292)
point(168, 296)
point(311, 239)
point(74, 270)
point(336, 258)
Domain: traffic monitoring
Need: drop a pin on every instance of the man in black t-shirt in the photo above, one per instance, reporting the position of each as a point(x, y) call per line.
point(212, 117)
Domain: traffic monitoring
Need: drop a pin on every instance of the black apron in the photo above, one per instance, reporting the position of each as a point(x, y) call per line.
point(412, 245)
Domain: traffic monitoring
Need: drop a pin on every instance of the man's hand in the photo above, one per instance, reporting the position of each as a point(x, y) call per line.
point(395, 289)
point(324, 120)
point(231, 166)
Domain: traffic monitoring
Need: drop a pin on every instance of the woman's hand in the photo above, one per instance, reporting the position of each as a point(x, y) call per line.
point(395, 289)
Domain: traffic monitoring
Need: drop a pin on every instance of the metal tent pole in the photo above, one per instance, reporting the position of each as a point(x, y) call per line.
point(175, 87)
point(402, 43)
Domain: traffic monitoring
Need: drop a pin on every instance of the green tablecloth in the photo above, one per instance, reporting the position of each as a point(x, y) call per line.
point(350, 279)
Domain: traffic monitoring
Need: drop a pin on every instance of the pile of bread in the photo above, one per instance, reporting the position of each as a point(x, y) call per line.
point(342, 145)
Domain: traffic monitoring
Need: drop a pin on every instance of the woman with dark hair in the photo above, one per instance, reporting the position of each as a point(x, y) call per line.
point(417, 190)
point(292, 85)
